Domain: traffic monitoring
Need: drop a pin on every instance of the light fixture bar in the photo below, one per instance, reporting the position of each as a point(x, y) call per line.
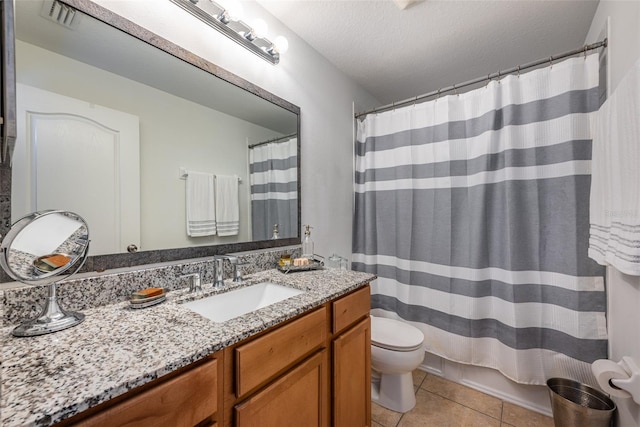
point(267, 53)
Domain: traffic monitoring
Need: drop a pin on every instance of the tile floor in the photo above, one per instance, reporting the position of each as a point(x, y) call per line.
point(442, 403)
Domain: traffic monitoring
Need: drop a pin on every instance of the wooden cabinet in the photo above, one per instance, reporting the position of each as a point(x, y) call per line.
point(351, 308)
point(352, 376)
point(351, 357)
point(280, 377)
point(265, 357)
point(298, 398)
point(314, 370)
point(311, 371)
point(186, 398)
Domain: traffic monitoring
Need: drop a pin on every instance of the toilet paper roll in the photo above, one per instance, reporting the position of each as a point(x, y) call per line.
point(605, 370)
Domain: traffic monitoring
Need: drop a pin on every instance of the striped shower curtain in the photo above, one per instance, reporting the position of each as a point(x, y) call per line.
point(273, 172)
point(473, 211)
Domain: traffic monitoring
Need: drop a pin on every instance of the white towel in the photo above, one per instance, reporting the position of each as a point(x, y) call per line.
point(201, 210)
point(227, 207)
point(615, 184)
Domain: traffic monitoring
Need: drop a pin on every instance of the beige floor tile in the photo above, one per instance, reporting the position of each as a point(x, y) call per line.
point(375, 424)
point(418, 377)
point(518, 416)
point(383, 416)
point(433, 410)
point(466, 396)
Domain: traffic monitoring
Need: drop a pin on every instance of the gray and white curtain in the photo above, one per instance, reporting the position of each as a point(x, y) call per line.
point(473, 211)
point(273, 171)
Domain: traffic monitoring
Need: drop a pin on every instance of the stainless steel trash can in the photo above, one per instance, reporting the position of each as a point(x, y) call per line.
point(577, 405)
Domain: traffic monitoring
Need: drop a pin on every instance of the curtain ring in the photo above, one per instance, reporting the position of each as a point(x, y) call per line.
point(488, 80)
point(518, 71)
point(455, 90)
point(585, 52)
point(498, 76)
point(438, 97)
point(415, 100)
point(551, 61)
point(393, 105)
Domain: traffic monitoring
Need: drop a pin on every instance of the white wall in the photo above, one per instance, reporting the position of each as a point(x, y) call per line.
point(164, 144)
point(623, 292)
point(303, 77)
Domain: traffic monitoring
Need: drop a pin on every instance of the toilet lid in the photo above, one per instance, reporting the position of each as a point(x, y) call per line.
point(395, 335)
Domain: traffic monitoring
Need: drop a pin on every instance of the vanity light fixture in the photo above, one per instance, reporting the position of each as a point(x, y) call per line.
point(227, 21)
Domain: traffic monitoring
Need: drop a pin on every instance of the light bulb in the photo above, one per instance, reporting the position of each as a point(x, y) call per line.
point(281, 43)
point(259, 28)
point(232, 8)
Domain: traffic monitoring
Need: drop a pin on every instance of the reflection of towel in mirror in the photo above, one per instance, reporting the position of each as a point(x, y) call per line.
point(201, 211)
point(227, 208)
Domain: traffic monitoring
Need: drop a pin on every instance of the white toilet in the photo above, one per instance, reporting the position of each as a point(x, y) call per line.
point(396, 350)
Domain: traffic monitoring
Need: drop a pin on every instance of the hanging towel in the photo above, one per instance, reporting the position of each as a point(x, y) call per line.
point(201, 211)
point(615, 186)
point(227, 208)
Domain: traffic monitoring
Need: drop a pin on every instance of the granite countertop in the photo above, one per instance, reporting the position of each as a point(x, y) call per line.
point(49, 378)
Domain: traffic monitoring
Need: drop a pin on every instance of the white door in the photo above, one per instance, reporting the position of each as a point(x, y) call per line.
point(80, 157)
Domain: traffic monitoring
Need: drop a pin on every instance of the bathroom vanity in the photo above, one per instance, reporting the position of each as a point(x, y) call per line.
point(302, 361)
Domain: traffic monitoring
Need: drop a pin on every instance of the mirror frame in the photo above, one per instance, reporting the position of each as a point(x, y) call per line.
point(100, 263)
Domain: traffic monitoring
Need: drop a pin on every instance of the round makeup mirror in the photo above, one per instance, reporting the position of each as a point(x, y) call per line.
point(41, 249)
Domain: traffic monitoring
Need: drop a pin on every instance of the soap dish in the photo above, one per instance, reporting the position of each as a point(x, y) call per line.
point(147, 302)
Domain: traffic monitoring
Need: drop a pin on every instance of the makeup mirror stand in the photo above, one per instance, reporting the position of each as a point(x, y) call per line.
point(21, 257)
point(52, 318)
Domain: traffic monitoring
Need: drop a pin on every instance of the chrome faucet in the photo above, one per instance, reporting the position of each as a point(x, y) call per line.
point(237, 269)
point(218, 270)
point(194, 281)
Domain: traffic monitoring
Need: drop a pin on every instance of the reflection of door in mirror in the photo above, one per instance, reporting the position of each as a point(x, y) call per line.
point(67, 144)
point(273, 168)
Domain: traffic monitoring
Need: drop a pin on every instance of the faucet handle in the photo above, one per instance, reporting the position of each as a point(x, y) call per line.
point(218, 271)
point(237, 270)
point(194, 281)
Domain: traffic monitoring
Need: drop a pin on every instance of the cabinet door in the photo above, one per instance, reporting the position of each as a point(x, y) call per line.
point(352, 376)
point(299, 398)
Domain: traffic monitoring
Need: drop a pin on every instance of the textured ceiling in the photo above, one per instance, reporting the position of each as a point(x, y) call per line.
point(397, 54)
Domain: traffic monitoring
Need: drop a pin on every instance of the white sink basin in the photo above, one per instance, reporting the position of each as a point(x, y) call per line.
point(225, 306)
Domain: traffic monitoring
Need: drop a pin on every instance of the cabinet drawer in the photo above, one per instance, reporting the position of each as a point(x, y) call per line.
point(349, 309)
point(185, 400)
point(263, 358)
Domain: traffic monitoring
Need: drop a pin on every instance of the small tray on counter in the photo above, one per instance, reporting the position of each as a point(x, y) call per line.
point(147, 302)
point(317, 263)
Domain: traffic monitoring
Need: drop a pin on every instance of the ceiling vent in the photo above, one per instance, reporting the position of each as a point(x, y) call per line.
point(58, 12)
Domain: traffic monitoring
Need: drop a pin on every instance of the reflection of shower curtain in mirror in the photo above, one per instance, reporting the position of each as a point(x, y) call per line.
point(274, 189)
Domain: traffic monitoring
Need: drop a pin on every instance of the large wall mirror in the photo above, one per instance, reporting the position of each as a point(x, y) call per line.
point(114, 123)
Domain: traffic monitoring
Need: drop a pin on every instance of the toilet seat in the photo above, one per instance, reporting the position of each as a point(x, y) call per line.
point(395, 335)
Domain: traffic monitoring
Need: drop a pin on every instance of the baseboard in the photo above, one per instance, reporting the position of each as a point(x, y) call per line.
point(489, 381)
point(516, 400)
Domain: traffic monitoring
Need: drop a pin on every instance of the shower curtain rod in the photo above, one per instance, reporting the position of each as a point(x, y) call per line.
point(279, 139)
point(489, 77)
